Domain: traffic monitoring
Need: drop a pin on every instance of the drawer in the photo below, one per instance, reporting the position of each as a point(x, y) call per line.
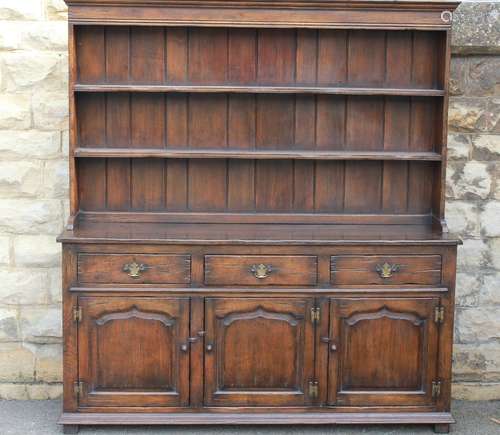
point(134, 269)
point(386, 269)
point(261, 270)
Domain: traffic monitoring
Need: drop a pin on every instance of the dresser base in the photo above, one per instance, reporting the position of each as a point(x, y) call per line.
point(440, 420)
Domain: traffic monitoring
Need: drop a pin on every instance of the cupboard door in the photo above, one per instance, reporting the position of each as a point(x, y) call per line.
point(258, 352)
point(386, 351)
point(130, 351)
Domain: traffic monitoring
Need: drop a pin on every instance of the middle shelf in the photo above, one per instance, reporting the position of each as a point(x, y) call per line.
point(260, 89)
point(255, 154)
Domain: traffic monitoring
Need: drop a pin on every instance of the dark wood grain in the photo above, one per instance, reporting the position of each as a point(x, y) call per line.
point(236, 153)
point(257, 230)
point(267, 185)
point(158, 269)
point(129, 351)
point(386, 351)
point(281, 270)
point(218, 56)
point(260, 89)
point(362, 270)
point(262, 351)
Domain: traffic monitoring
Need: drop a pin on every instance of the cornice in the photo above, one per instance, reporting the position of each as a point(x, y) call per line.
point(327, 4)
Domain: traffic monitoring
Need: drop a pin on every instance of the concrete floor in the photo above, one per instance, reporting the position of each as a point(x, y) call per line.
point(39, 417)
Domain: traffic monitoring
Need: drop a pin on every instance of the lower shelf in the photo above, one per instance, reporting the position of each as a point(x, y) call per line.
point(202, 418)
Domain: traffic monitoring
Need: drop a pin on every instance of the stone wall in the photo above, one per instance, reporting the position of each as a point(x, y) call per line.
point(34, 191)
point(473, 197)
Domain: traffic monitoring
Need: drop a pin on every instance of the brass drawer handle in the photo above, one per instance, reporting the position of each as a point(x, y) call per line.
point(261, 271)
point(386, 270)
point(134, 269)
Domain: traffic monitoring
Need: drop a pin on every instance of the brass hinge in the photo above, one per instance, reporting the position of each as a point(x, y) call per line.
point(436, 389)
point(313, 389)
point(315, 314)
point(78, 387)
point(77, 314)
point(439, 314)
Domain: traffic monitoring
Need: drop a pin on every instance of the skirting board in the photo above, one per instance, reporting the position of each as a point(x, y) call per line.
point(202, 418)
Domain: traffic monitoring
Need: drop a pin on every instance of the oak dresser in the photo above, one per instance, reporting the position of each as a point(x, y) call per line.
point(257, 230)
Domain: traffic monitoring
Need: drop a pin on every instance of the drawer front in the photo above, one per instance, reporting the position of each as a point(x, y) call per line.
point(378, 269)
point(260, 270)
point(134, 269)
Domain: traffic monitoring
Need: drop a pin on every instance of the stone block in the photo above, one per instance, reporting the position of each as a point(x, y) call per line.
point(494, 245)
point(46, 35)
point(21, 178)
point(496, 177)
point(471, 180)
point(476, 28)
point(459, 146)
point(24, 286)
point(50, 111)
point(48, 362)
point(476, 362)
point(57, 10)
point(30, 69)
point(65, 143)
point(9, 330)
point(4, 250)
point(41, 324)
point(21, 10)
point(56, 179)
point(17, 364)
point(478, 324)
point(44, 391)
point(459, 69)
point(475, 391)
point(29, 216)
point(468, 289)
point(494, 116)
point(37, 251)
point(483, 76)
point(463, 218)
point(34, 35)
point(490, 219)
point(66, 211)
point(473, 115)
point(490, 291)
point(475, 76)
point(466, 115)
point(472, 255)
point(11, 391)
point(15, 111)
point(55, 286)
point(30, 144)
point(486, 147)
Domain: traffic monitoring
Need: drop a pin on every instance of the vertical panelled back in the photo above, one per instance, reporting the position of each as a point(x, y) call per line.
point(133, 120)
point(257, 122)
point(201, 55)
point(150, 184)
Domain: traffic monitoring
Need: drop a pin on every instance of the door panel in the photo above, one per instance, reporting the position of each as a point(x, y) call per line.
point(130, 351)
point(259, 352)
point(386, 351)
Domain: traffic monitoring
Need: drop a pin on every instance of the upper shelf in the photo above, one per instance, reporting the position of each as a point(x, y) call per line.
point(337, 90)
point(256, 154)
